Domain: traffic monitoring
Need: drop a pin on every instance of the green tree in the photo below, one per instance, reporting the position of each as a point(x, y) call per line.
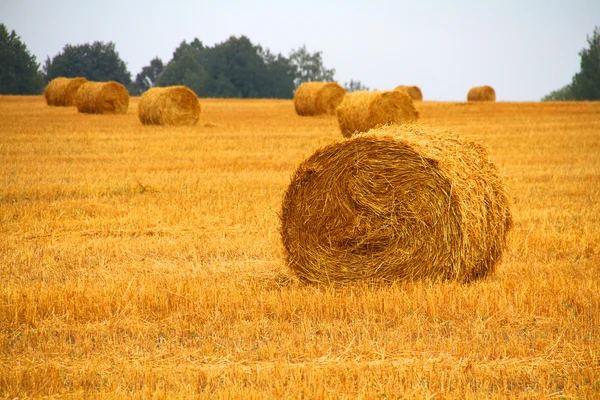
point(586, 83)
point(19, 71)
point(234, 68)
point(97, 62)
point(310, 67)
point(185, 68)
point(148, 77)
point(280, 73)
point(565, 93)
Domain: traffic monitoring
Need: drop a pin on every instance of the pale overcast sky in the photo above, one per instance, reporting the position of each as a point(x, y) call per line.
point(523, 48)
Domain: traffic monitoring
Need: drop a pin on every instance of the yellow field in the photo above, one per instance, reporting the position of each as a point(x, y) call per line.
point(147, 262)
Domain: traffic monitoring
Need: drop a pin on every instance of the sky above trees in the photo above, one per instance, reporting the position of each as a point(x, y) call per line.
point(524, 49)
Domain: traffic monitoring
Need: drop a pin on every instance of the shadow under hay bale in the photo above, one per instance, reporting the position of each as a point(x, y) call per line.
point(363, 110)
point(413, 91)
point(396, 203)
point(102, 98)
point(315, 98)
point(173, 105)
point(481, 93)
point(61, 91)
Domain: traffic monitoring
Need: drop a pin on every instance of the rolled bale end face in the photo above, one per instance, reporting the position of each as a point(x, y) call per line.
point(61, 91)
point(363, 110)
point(102, 98)
point(414, 92)
point(174, 106)
point(318, 98)
point(396, 203)
point(481, 93)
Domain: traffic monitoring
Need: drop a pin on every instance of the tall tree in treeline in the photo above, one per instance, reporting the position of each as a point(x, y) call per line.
point(310, 67)
point(586, 83)
point(19, 71)
point(149, 75)
point(97, 62)
point(234, 68)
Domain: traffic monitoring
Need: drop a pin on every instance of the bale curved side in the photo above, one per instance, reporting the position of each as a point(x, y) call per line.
point(363, 110)
point(315, 98)
point(102, 98)
point(61, 91)
point(173, 105)
point(481, 93)
point(413, 91)
point(396, 203)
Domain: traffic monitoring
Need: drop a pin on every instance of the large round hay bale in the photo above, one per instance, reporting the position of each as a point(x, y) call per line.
point(363, 110)
point(413, 91)
point(61, 91)
point(315, 98)
point(481, 93)
point(173, 105)
point(102, 98)
point(396, 203)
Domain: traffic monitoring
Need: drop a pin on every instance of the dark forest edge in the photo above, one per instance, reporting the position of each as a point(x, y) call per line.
point(235, 68)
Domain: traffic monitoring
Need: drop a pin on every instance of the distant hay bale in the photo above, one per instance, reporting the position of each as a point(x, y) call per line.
point(396, 203)
point(315, 98)
point(173, 105)
point(363, 110)
point(413, 91)
point(61, 91)
point(102, 98)
point(481, 93)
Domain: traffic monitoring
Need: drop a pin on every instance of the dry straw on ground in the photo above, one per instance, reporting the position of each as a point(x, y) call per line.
point(174, 105)
point(61, 91)
point(398, 202)
point(363, 110)
point(481, 93)
point(413, 91)
point(102, 98)
point(315, 98)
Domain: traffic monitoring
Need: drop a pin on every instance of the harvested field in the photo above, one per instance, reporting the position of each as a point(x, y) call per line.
point(146, 261)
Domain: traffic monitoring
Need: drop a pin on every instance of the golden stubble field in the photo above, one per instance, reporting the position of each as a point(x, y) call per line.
point(146, 262)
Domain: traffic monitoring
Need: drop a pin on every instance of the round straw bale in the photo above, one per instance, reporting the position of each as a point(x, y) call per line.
point(102, 98)
point(61, 91)
point(173, 105)
point(396, 203)
point(314, 98)
point(481, 93)
point(413, 91)
point(363, 110)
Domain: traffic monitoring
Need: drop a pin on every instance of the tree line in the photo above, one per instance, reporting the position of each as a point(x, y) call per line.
point(585, 84)
point(234, 68)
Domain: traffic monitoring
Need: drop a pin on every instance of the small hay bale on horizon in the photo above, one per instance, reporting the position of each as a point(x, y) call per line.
point(172, 105)
point(60, 92)
point(363, 110)
point(481, 93)
point(396, 203)
point(413, 91)
point(102, 98)
point(316, 98)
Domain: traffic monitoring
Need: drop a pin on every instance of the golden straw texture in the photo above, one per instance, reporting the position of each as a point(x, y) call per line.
point(481, 93)
point(413, 91)
point(396, 203)
point(174, 105)
point(363, 110)
point(102, 98)
point(61, 91)
point(315, 98)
